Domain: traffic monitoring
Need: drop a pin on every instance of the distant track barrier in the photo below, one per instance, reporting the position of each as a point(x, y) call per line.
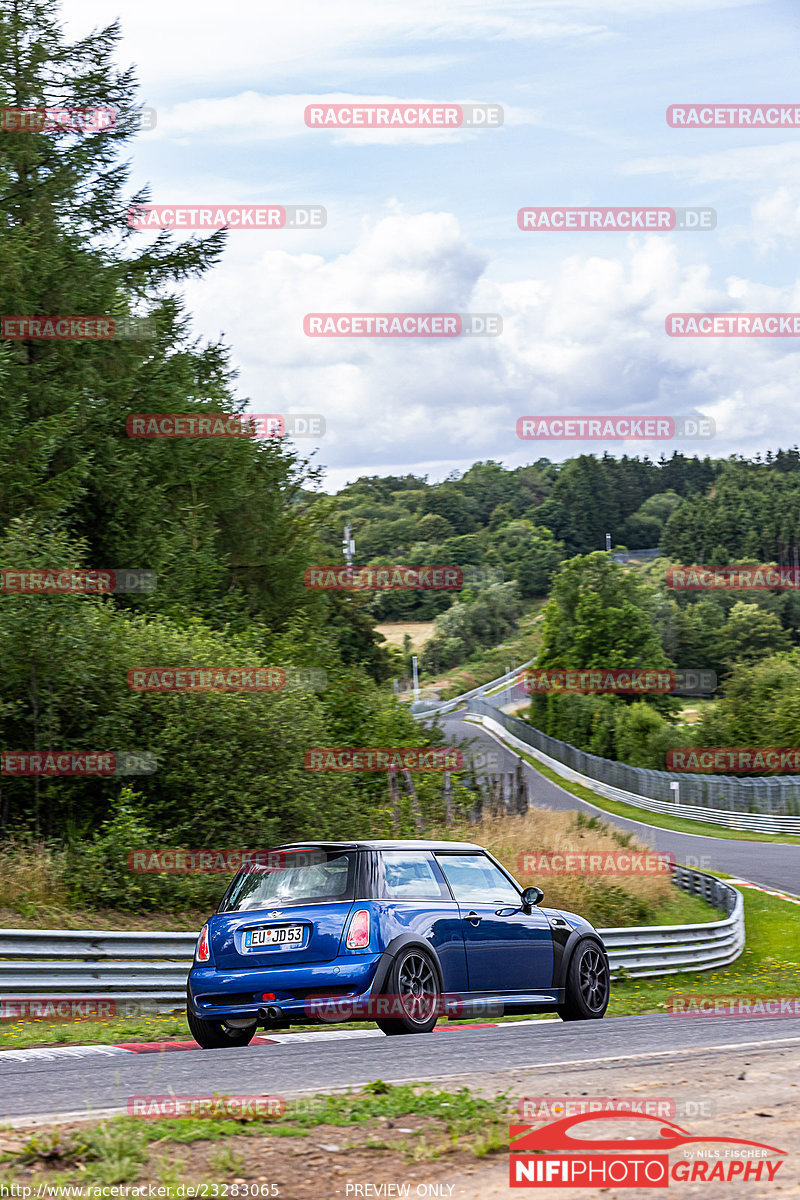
point(764, 804)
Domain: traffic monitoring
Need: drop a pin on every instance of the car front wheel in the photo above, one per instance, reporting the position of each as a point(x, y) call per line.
point(587, 990)
point(412, 995)
point(216, 1035)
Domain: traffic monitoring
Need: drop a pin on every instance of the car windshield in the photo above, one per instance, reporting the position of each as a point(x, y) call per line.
point(293, 877)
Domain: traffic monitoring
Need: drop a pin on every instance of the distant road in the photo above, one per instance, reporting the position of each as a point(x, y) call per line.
point(771, 864)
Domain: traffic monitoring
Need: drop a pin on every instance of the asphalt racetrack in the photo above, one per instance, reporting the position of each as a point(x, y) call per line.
point(83, 1081)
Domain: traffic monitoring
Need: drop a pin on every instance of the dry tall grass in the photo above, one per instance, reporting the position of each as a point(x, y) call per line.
point(35, 879)
point(32, 875)
point(606, 900)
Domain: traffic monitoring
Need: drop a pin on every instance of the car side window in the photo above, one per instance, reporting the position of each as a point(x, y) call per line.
point(475, 880)
point(411, 876)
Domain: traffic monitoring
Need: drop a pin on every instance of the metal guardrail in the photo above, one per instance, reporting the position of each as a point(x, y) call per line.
point(766, 805)
point(670, 949)
point(626, 556)
point(147, 969)
point(446, 706)
point(151, 968)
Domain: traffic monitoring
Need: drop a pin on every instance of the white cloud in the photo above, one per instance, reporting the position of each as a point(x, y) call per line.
point(742, 165)
point(181, 43)
point(776, 219)
point(590, 340)
point(584, 317)
point(252, 117)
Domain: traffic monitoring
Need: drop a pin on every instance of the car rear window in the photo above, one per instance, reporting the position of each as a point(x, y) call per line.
point(293, 877)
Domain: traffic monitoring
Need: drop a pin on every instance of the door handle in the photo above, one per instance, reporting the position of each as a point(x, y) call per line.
point(473, 918)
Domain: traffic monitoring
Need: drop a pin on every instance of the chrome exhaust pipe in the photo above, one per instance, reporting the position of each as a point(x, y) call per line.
point(273, 1013)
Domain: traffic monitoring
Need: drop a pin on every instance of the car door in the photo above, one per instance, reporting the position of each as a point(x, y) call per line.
point(508, 950)
point(414, 890)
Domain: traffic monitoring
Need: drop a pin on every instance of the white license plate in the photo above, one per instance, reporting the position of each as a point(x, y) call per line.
point(278, 935)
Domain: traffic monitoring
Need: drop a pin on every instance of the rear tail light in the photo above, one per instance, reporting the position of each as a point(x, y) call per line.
point(202, 953)
point(358, 934)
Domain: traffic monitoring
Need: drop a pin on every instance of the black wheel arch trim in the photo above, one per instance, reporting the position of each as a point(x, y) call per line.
point(577, 936)
point(402, 942)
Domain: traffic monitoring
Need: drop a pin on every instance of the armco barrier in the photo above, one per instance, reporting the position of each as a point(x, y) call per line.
point(446, 706)
point(765, 804)
point(151, 968)
point(147, 968)
point(669, 949)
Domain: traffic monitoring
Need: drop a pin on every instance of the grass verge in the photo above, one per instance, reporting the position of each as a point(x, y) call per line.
point(485, 665)
point(374, 1131)
point(768, 966)
point(63, 917)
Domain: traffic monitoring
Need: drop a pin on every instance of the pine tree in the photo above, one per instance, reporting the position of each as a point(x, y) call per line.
point(182, 508)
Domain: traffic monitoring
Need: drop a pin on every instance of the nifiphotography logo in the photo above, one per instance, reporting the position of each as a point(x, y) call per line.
point(553, 1156)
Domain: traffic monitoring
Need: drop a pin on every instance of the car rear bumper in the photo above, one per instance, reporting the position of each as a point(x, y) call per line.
point(215, 994)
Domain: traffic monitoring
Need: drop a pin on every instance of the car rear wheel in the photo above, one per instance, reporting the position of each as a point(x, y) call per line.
point(587, 990)
point(412, 993)
point(215, 1035)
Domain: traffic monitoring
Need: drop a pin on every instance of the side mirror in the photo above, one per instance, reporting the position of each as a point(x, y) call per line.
point(532, 896)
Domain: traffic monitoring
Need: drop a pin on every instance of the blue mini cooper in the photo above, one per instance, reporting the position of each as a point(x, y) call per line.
point(399, 932)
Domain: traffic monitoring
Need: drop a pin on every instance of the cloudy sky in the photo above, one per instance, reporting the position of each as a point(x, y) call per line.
point(426, 221)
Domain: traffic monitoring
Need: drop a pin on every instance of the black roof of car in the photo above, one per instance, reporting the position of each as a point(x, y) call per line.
point(384, 844)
